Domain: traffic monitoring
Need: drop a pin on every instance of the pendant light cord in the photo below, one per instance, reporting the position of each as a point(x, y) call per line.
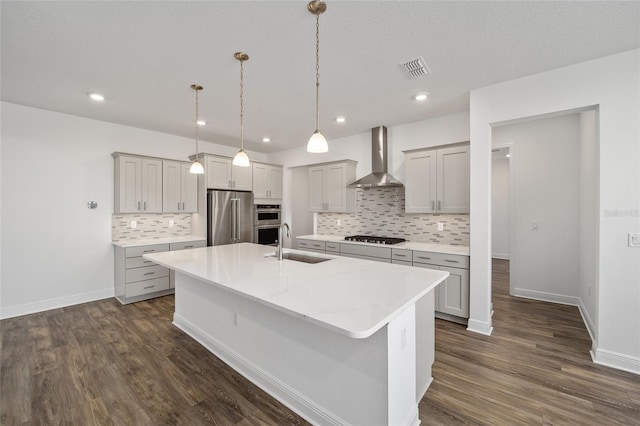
point(197, 122)
point(241, 105)
point(318, 73)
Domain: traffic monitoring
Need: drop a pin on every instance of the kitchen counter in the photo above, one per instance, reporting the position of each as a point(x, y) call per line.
point(344, 341)
point(407, 245)
point(347, 296)
point(153, 241)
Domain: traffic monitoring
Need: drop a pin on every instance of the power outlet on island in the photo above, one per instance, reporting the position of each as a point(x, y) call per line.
point(236, 319)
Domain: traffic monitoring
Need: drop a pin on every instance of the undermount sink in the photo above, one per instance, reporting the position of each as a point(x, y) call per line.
point(305, 258)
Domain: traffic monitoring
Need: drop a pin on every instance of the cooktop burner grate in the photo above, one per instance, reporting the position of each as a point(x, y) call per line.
point(374, 240)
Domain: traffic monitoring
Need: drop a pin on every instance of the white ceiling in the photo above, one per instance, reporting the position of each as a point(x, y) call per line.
point(143, 56)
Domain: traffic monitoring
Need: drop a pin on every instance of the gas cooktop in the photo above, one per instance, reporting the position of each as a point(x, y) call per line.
point(374, 240)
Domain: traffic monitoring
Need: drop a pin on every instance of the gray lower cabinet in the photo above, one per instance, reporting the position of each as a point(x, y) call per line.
point(312, 245)
point(137, 278)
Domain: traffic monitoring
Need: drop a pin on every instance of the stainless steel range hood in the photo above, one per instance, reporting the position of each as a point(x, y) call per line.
point(379, 176)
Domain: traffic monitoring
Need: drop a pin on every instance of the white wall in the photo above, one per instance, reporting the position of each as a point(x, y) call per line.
point(500, 208)
point(546, 166)
point(55, 251)
point(613, 85)
point(589, 176)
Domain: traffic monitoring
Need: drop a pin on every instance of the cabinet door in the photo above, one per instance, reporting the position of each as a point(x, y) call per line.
point(129, 197)
point(335, 187)
point(260, 180)
point(420, 186)
point(188, 189)
point(316, 189)
point(171, 177)
point(453, 180)
point(242, 178)
point(453, 293)
point(218, 172)
point(275, 181)
point(151, 185)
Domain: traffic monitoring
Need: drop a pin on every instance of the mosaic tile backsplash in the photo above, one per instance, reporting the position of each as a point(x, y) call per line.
point(380, 212)
point(149, 226)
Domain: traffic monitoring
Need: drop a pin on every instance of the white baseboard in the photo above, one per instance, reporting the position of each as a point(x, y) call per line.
point(546, 297)
point(616, 360)
point(480, 327)
point(503, 256)
point(60, 302)
point(588, 322)
point(301, 405)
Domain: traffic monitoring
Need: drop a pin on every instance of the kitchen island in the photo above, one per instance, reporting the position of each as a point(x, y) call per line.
point(343, 341)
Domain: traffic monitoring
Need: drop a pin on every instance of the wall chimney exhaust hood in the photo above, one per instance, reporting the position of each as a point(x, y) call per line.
point(379, 176)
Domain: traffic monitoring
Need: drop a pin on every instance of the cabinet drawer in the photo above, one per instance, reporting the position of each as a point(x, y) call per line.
point(402, 255)
point(332, 247)
point(311, 245)
point(148, 286)
point(139, 251)
point(137, 262)
point(187, 245)
point(371, 258)
point(145, 273)
point(369, 251)
point(451, 260)
point(402, 262)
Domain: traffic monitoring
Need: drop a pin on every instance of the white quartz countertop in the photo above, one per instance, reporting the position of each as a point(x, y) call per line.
point(153, 241)
point(407, 245)
point(352, 297)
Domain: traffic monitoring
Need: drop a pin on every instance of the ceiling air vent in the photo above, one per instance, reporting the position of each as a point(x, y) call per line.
point(416, 68)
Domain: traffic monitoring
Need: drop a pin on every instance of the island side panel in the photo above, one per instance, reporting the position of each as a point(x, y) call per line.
point(326, 377)
point(425, 342)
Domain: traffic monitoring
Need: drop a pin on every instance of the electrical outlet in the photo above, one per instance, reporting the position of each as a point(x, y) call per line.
point(634, 239)
point(534, 226)
point(236, 318)
point(171, 223)
point(134, 224)
point(440, 226)
point(338, 222)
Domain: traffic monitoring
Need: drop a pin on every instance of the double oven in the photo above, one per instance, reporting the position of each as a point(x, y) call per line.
point(267, 220)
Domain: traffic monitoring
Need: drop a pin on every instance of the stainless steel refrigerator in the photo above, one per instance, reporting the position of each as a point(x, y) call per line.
point(229, 217)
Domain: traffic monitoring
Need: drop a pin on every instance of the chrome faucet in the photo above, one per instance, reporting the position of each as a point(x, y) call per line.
point(279, 249)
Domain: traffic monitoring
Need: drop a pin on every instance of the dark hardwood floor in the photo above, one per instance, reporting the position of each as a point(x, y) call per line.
point(101, 363)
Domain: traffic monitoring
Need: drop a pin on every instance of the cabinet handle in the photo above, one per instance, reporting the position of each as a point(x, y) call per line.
point(148, 251)
point(148, 287)
point(191, 246)
point(317, 245)
point(425, 258)
point(452, 261)
point(439, 205)
point(178, 205)
point(146, 261)
point(145, 205)
point(149, 273)
point(183, 206)
point(433, 205)
point(400, 255)
point(234, 184)
point(138, 205)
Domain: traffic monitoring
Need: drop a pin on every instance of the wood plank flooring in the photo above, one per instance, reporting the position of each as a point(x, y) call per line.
point(101, 363)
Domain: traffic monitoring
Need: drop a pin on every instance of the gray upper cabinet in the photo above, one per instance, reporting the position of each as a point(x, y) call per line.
point(328, 190)
point(267, 182)
point(437, 180)
point(222, 174)
point(138, 185)
point(179, 187)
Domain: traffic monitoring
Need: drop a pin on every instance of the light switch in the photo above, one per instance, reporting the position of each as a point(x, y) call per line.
point(634, 239)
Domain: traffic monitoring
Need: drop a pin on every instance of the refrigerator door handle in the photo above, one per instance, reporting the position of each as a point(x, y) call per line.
point(237, 220)
point(234, 224)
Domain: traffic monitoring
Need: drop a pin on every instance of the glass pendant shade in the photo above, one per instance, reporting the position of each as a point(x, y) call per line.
point(196, 168)
point(241, 159)
point(317, 143)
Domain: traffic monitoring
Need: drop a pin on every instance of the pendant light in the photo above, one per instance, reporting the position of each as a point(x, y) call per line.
point(317, 143)
point(196, 167)
point(241, 159)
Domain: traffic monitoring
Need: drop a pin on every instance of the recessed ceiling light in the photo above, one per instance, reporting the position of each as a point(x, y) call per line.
point(201, 122)
point(421, 97)
point(96, 97)
point(265, 140)
point(341, 119)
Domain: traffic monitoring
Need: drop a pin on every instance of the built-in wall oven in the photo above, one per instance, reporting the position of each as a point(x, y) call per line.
point(266, 223)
